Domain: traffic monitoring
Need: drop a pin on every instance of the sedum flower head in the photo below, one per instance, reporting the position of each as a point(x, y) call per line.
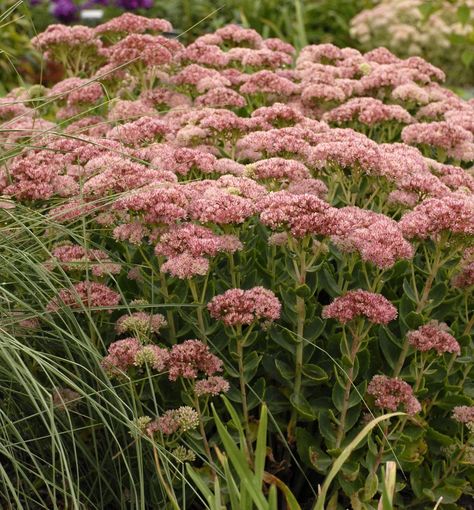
point(434, 335)
point(463, 414)
point(190, 358)
point(140, 323)
point(183, 419)
point(211, 386)
point(239, 307)
point(375, 307)
point(85, 295)
point(153, 356)
point(183, 454)
point(187, 418)
point(392, 393)
point(64, 398)
point(139, 425)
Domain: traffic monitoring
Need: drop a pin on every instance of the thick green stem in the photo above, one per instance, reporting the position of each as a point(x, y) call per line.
point(199, 314)
point(301, 310)
point(233, 272)
point(169, 313)
point(454, 464)
point(301, 317)
point(401, 358)
point(420, 373)
point(356, 341)
point(381, 450)
point(469, 326)
point(435, 266)
point(243, 395)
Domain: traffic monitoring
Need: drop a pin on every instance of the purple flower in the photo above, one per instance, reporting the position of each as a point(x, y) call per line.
point(65, 10)
point(93, 3)
point(131, 5)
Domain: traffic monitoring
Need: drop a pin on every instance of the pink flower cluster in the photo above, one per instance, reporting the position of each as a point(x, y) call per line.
point(121, 355)
point(188, 359)
point(76, 91)
point(185, 266)
point(301, 214)
point(196, 241)
point(355, 303)
point(186, 246)
point(181, 420)
point(278, 168)
point(391, 393)
point(434, 335)
point(369, 111)
point(129, 23)
point(449, 136)
point(376, 237)
point(56, 35)
point(240, 307)
point(452, 212)
point(85, 295)
point(464, 414)
point(72, 257)
point(141, 131)
point(212, 386)
point(147, 50)
point(465, 277)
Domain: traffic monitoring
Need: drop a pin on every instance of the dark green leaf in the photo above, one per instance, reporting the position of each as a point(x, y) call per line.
point(314, 372)
point(303, 406)
point(285, 370)
point(409, 290)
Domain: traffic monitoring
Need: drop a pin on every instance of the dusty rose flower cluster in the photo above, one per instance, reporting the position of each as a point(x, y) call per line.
point(181, 420)
point(452, 213)
point(65, 398)
point(71, 257)
point(189, 360)
point(368, 111)
point(464, 414)
point(434, 335)
point(85, 295)
point(186, 247)
point(239, 307)
point(355, 303)
point(121, 354)
point(391, 393)
point(129, 23)
point(465, 277)
point(213, 386)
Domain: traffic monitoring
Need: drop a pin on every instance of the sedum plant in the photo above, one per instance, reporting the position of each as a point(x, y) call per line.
point(230, 217)
point(442, 31)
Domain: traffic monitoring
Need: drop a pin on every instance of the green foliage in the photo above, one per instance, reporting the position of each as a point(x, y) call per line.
point(16, 57)
point(243, 485)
